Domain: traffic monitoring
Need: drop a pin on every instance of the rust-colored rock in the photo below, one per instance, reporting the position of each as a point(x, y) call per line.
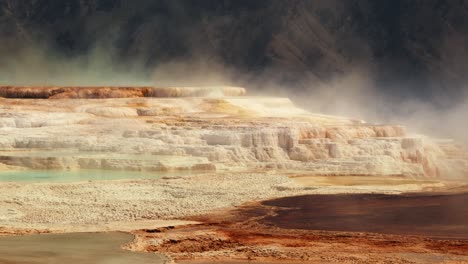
point(298, 230)
point(90, 92)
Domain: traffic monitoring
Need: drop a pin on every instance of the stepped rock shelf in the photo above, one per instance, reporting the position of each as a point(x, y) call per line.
point(208, 129)
point(209, 152)
point(59, 92)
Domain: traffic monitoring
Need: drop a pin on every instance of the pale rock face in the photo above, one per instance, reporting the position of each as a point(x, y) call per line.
point(115, 112)
point(222, 139)
point(301, 153)
point(207, 133)
point(7, 122)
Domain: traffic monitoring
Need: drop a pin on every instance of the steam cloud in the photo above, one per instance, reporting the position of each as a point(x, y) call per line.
point(354, 94)
point(357, 96)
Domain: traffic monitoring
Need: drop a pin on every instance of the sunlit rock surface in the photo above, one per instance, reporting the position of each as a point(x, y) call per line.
point(59, 92)
point(200, 129)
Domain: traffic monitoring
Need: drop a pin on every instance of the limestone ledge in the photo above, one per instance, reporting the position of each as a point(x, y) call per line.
point(212, 133)
point(60, 92)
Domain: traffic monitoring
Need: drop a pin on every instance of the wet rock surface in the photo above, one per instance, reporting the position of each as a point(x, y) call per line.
point(265, 233)
point(432, 215)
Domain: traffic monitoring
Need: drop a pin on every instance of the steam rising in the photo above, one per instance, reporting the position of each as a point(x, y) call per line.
point(43, 66)
point(356, 95)
point(353, 94)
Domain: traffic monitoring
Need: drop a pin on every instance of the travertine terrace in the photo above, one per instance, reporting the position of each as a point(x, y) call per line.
point(228, 148)
point(87, 92)
point(204, 129)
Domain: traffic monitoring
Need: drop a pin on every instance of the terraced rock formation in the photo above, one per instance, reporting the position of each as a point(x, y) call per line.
point(87, 92)
point(204, 133)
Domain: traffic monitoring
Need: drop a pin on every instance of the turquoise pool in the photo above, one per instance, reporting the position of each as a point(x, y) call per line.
point(80, 175)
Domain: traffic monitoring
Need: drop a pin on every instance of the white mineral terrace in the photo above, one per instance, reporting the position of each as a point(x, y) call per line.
point(241, 148)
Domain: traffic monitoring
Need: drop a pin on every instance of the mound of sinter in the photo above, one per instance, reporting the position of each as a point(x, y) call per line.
point(202, 133)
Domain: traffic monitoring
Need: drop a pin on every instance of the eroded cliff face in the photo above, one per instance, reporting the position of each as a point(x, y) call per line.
point(212, 133)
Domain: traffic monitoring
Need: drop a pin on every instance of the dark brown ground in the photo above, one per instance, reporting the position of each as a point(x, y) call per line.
point(417, 228)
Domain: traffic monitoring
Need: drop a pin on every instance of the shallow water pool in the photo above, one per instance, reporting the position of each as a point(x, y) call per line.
point(99, 248)
point(80, 175)
point(443, 215)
